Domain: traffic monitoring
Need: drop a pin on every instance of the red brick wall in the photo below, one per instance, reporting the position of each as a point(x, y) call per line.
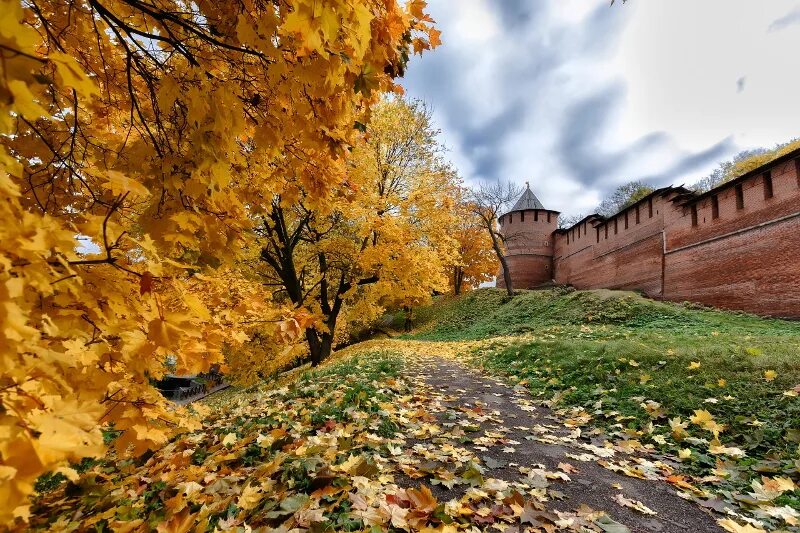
point(756, 208)
point(742, 254)
point(616, 254)
point(527, 271)
point(748, 257)
point(633, 266)
point(756, 271)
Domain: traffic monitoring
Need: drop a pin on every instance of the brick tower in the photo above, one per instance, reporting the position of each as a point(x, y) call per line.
point(528, 229)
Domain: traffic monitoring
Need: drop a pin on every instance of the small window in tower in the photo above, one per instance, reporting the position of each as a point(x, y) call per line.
point(598, 234)
point(548, 217)
point(650, 207)
point(637, 214)
point(606, 230)
point(626, 220)
point(510, 218)
point(739, 197)
point(767, 185)
point(536, 216)
point(522, 216)
point(567, 237)
point(616, 226)
point(694, 215)
point(714, 207)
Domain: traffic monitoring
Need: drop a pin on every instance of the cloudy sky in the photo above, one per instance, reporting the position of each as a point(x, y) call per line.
point(577, 97)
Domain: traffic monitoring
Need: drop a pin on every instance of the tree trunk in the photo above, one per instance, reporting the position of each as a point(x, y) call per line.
point(458, 280)
point(503, 263)
point(409, 322)
point(506, 273)
point(319, 345)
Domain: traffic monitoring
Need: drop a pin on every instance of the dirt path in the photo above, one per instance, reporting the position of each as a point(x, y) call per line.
point(511, 435)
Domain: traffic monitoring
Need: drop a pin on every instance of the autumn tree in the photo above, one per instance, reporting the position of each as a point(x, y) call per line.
point(382, 237)
point(623, 196)
point(476, 261)
point(742, 163)
point(487, 202)
point(126, 132)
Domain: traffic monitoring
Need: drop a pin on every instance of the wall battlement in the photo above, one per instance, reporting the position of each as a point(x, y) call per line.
point(736, 246)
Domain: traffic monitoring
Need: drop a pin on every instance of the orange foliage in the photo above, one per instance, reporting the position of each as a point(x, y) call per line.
point(127, 131)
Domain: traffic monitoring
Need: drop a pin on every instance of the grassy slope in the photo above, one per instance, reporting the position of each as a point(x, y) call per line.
point(622, 350)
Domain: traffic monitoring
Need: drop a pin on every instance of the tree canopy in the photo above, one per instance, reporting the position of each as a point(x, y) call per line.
point(742, 163)
point(140, 143)
point(623, 196)
point(382, 238)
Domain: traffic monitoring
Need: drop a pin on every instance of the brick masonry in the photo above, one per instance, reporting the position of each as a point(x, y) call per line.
point(735, 247)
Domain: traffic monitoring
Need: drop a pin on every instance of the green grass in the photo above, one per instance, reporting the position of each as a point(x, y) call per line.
point(608, 352)
point(490, 312)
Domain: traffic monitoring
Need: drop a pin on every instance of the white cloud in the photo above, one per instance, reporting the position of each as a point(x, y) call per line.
point(682, 61)
point(579, 97)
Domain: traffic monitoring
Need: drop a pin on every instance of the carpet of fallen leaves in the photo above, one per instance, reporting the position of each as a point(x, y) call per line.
point(360, 445)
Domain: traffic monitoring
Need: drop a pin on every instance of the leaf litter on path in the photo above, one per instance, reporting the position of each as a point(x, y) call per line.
point(384, 439)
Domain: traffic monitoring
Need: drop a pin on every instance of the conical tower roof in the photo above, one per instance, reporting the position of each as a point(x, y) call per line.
point(527, 201)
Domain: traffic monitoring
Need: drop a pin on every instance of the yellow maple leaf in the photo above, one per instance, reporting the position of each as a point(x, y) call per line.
point(779, 484)
point(701, 417)
point(25, 103)
point(250, 496)
point(678, 428)
point(72, 75)
point(733, 527)
point(716, 448)
point(634, 504)
point(119, 183)
point(229, 440)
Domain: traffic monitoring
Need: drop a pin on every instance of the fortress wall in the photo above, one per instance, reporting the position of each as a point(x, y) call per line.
point(635, 266)
point(624, 252)
point(742, 253)
point(755, 206)
point(756, 271)
point(748, 256)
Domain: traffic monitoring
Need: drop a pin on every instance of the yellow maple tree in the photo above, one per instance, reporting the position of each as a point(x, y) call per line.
point(127, 129)
point(382, 240)
point(476, 261)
